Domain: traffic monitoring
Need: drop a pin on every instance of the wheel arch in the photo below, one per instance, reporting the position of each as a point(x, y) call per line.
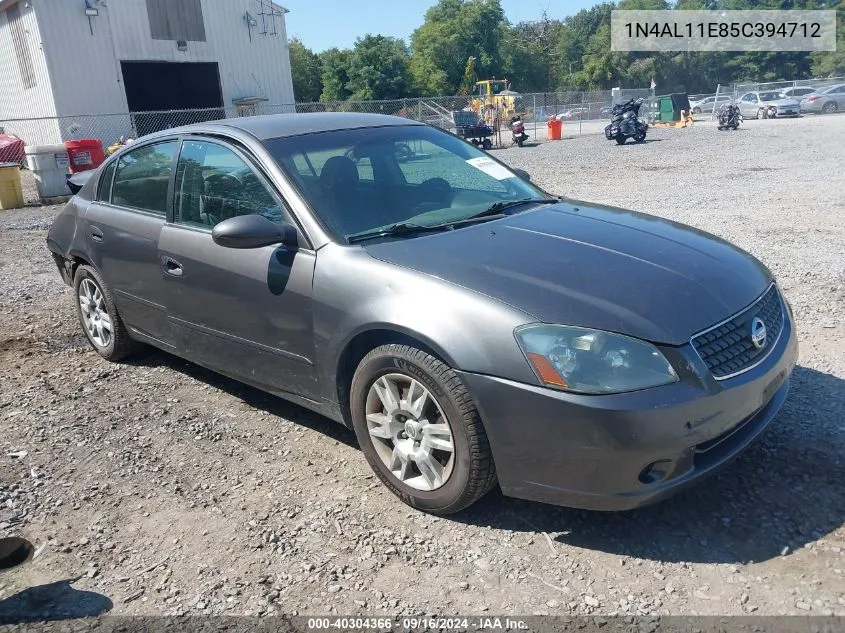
point(368, 339)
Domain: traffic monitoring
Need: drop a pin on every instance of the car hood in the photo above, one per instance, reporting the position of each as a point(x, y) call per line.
point(581, 264)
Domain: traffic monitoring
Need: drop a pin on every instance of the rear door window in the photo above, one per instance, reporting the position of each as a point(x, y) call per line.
point(143, 177)
point(105, 185)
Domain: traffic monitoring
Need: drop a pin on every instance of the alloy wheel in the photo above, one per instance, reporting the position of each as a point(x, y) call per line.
point(95, 316)
point(410, 432)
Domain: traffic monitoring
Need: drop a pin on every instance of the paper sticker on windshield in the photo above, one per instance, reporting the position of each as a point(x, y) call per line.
point(491, 168)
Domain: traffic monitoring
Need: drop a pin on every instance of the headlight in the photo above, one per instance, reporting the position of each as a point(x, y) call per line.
point(592, 361)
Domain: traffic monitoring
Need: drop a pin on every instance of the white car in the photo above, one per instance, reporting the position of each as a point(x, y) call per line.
point(708, 104)
point(767, 105)
point(798, 92)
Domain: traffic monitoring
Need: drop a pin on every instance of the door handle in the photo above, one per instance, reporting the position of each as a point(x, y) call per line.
point(171, 267)
point(96, 234)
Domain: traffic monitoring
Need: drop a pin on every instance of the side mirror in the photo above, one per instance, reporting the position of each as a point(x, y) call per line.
point(521, 173)
point(253, 231)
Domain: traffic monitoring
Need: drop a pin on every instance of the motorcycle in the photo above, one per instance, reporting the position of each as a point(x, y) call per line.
point(625, 122)
point(518, 131)
point(729, 117)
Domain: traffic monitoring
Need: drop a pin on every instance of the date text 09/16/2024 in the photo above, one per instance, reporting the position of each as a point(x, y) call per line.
point(421, 623)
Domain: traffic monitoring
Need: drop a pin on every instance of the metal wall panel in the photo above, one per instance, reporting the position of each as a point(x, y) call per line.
point(76, 60)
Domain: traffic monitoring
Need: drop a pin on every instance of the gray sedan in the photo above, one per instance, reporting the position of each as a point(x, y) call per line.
point(826, 100)
point(767, 105)
point(469, 327)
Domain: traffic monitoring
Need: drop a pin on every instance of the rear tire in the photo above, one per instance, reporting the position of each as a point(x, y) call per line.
point(830, 107)
point(762, 113)
point(467, 475)
point(487, 144)
point(99, 317)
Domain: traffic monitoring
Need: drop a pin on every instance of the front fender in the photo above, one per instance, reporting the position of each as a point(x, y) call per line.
point(354, 293)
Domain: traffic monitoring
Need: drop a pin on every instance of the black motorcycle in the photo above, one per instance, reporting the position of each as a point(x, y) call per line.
point(729, 117)
point(625, 122)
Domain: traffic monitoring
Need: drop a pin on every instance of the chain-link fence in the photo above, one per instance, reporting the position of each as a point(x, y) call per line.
point(582, 113)
point(573, 108)
point(797, 90)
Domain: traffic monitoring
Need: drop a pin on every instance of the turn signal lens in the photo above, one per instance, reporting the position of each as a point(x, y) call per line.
point(546, 371)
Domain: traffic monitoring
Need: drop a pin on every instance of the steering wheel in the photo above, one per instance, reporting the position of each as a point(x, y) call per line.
point(226, 180)
point(436, 190)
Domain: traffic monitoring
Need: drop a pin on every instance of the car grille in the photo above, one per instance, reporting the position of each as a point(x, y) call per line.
point(727, 349)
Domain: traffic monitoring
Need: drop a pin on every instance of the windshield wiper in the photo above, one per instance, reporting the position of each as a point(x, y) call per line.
point(494, 212)
point(504, 205)
point(402, 228)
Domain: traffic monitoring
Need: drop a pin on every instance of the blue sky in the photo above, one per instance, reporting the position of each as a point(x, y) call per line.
point(321, 24)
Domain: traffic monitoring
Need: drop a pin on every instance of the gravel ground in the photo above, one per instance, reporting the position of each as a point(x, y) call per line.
point(162, 488)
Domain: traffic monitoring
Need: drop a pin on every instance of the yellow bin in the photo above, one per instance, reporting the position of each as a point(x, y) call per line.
point(11, 192)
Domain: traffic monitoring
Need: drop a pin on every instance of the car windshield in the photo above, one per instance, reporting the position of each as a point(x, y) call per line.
point(769, 96)
point(362, 181)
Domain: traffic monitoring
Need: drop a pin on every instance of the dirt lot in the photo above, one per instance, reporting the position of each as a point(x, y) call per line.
point(161, 488)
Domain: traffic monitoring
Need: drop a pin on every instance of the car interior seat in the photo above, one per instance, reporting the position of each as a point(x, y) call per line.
point(339, 188)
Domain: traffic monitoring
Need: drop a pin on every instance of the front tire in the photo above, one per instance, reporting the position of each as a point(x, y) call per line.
point(99, 318)
point(762, 113)
point(418, 428)
point(620, 140)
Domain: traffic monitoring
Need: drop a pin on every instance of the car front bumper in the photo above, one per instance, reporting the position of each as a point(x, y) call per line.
point(618, 452)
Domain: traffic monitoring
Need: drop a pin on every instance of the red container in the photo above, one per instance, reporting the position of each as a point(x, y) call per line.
point(84, 155)
point(11, 149)
point(555, 129)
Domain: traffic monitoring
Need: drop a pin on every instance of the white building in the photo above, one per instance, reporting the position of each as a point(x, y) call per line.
point(66, 64)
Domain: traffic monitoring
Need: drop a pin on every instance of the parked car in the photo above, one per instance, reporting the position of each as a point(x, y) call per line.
point(573, 114)
point(708, 104)
point(826, 100)
point(469, 327)
point(767, 105)
point(798, 92)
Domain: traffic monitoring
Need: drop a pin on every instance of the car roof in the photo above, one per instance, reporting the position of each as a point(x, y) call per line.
point(280, 125)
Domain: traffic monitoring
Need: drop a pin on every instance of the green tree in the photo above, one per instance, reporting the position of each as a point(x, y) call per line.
point(832, 63)
point(453, 31)
point(470, 78)
point(306, 72)
point(335, 65)
point(378, 68)
point(530, 54)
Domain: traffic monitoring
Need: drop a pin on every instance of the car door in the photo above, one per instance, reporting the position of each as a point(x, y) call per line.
point(838, 95)
point(123, 226)
point(748, 104)
point(246, 313)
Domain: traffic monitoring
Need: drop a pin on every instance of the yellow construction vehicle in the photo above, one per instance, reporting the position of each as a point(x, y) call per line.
point(495, 101)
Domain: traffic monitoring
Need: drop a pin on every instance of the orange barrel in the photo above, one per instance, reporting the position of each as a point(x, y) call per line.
point(555, 129)
point(84, 155)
